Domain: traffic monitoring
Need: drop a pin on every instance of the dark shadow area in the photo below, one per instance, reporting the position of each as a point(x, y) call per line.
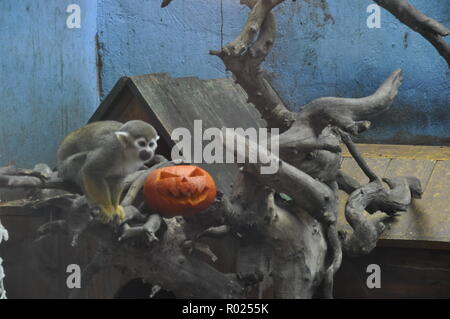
point(137, 289)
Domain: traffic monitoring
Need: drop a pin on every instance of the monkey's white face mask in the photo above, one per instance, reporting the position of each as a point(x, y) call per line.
point(140, 149)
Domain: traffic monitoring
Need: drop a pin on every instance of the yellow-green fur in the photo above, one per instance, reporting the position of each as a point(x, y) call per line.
point(98, 156)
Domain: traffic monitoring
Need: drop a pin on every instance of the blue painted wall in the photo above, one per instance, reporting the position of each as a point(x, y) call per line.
point(48, 80)
point(48, 74)
point(324, 48)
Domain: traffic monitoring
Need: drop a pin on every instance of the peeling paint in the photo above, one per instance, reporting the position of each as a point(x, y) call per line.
point(323, 5)
point(405, 40)
point(99, 65)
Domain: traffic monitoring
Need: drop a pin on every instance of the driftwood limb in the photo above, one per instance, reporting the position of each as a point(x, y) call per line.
point(61, 201)
point(38, 177)
point(347, 183)
point(357, 156)
point(244, 57)
point(259, 10)
point(165, 3)
point(149, 229)
point(374, 197)
point(318, 199)
point(371, 197)
point(314, 196)
point(351, 114)
point(429, 28)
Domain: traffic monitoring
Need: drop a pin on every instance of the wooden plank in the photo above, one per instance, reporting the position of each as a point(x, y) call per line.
point(427, 221)
point(225, 94)
point(378, 165)
point(193, 101)
point(432, 213)
point(152, 97)
point(441, 153)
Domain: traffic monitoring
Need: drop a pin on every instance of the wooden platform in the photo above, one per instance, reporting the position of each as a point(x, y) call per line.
point(427, 223)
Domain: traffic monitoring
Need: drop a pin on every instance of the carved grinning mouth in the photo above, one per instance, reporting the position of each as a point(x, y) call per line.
point(189, 190)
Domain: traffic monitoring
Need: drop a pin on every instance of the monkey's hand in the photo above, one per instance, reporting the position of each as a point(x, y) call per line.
point(120, 214)
point(106, 213)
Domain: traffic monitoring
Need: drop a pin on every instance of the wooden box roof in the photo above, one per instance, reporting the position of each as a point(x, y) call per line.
point(169, 103)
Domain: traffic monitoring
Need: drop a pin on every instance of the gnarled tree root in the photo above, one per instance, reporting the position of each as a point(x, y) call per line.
point(373, 197)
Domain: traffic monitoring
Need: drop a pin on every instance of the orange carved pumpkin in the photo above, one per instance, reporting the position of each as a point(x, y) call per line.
point(182, 190)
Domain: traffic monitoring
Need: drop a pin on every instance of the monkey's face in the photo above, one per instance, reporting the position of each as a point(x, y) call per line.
point(145, 149)
point(141, 149)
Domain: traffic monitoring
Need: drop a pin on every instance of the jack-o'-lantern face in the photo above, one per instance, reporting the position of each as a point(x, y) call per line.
point(179, 190)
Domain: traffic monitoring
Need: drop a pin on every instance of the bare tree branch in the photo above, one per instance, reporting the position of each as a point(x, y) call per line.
point(351, 114)
point(429, 28)
point(165, 3)
point(373, 197)
point(259, 11)
point(243, 58)
point(13, 177)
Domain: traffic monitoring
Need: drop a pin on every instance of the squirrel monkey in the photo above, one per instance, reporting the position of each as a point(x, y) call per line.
point(98, 156)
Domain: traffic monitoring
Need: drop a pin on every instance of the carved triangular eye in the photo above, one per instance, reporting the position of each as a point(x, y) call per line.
point(164, 175)
point(196, 172)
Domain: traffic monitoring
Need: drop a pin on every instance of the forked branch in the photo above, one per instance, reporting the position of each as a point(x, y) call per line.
point(374, 197)
point(244, 55)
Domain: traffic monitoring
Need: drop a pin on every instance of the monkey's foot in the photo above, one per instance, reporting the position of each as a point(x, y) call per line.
point(120, 214)
point(110, 214)
point(105, 218)
point(106, 214)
